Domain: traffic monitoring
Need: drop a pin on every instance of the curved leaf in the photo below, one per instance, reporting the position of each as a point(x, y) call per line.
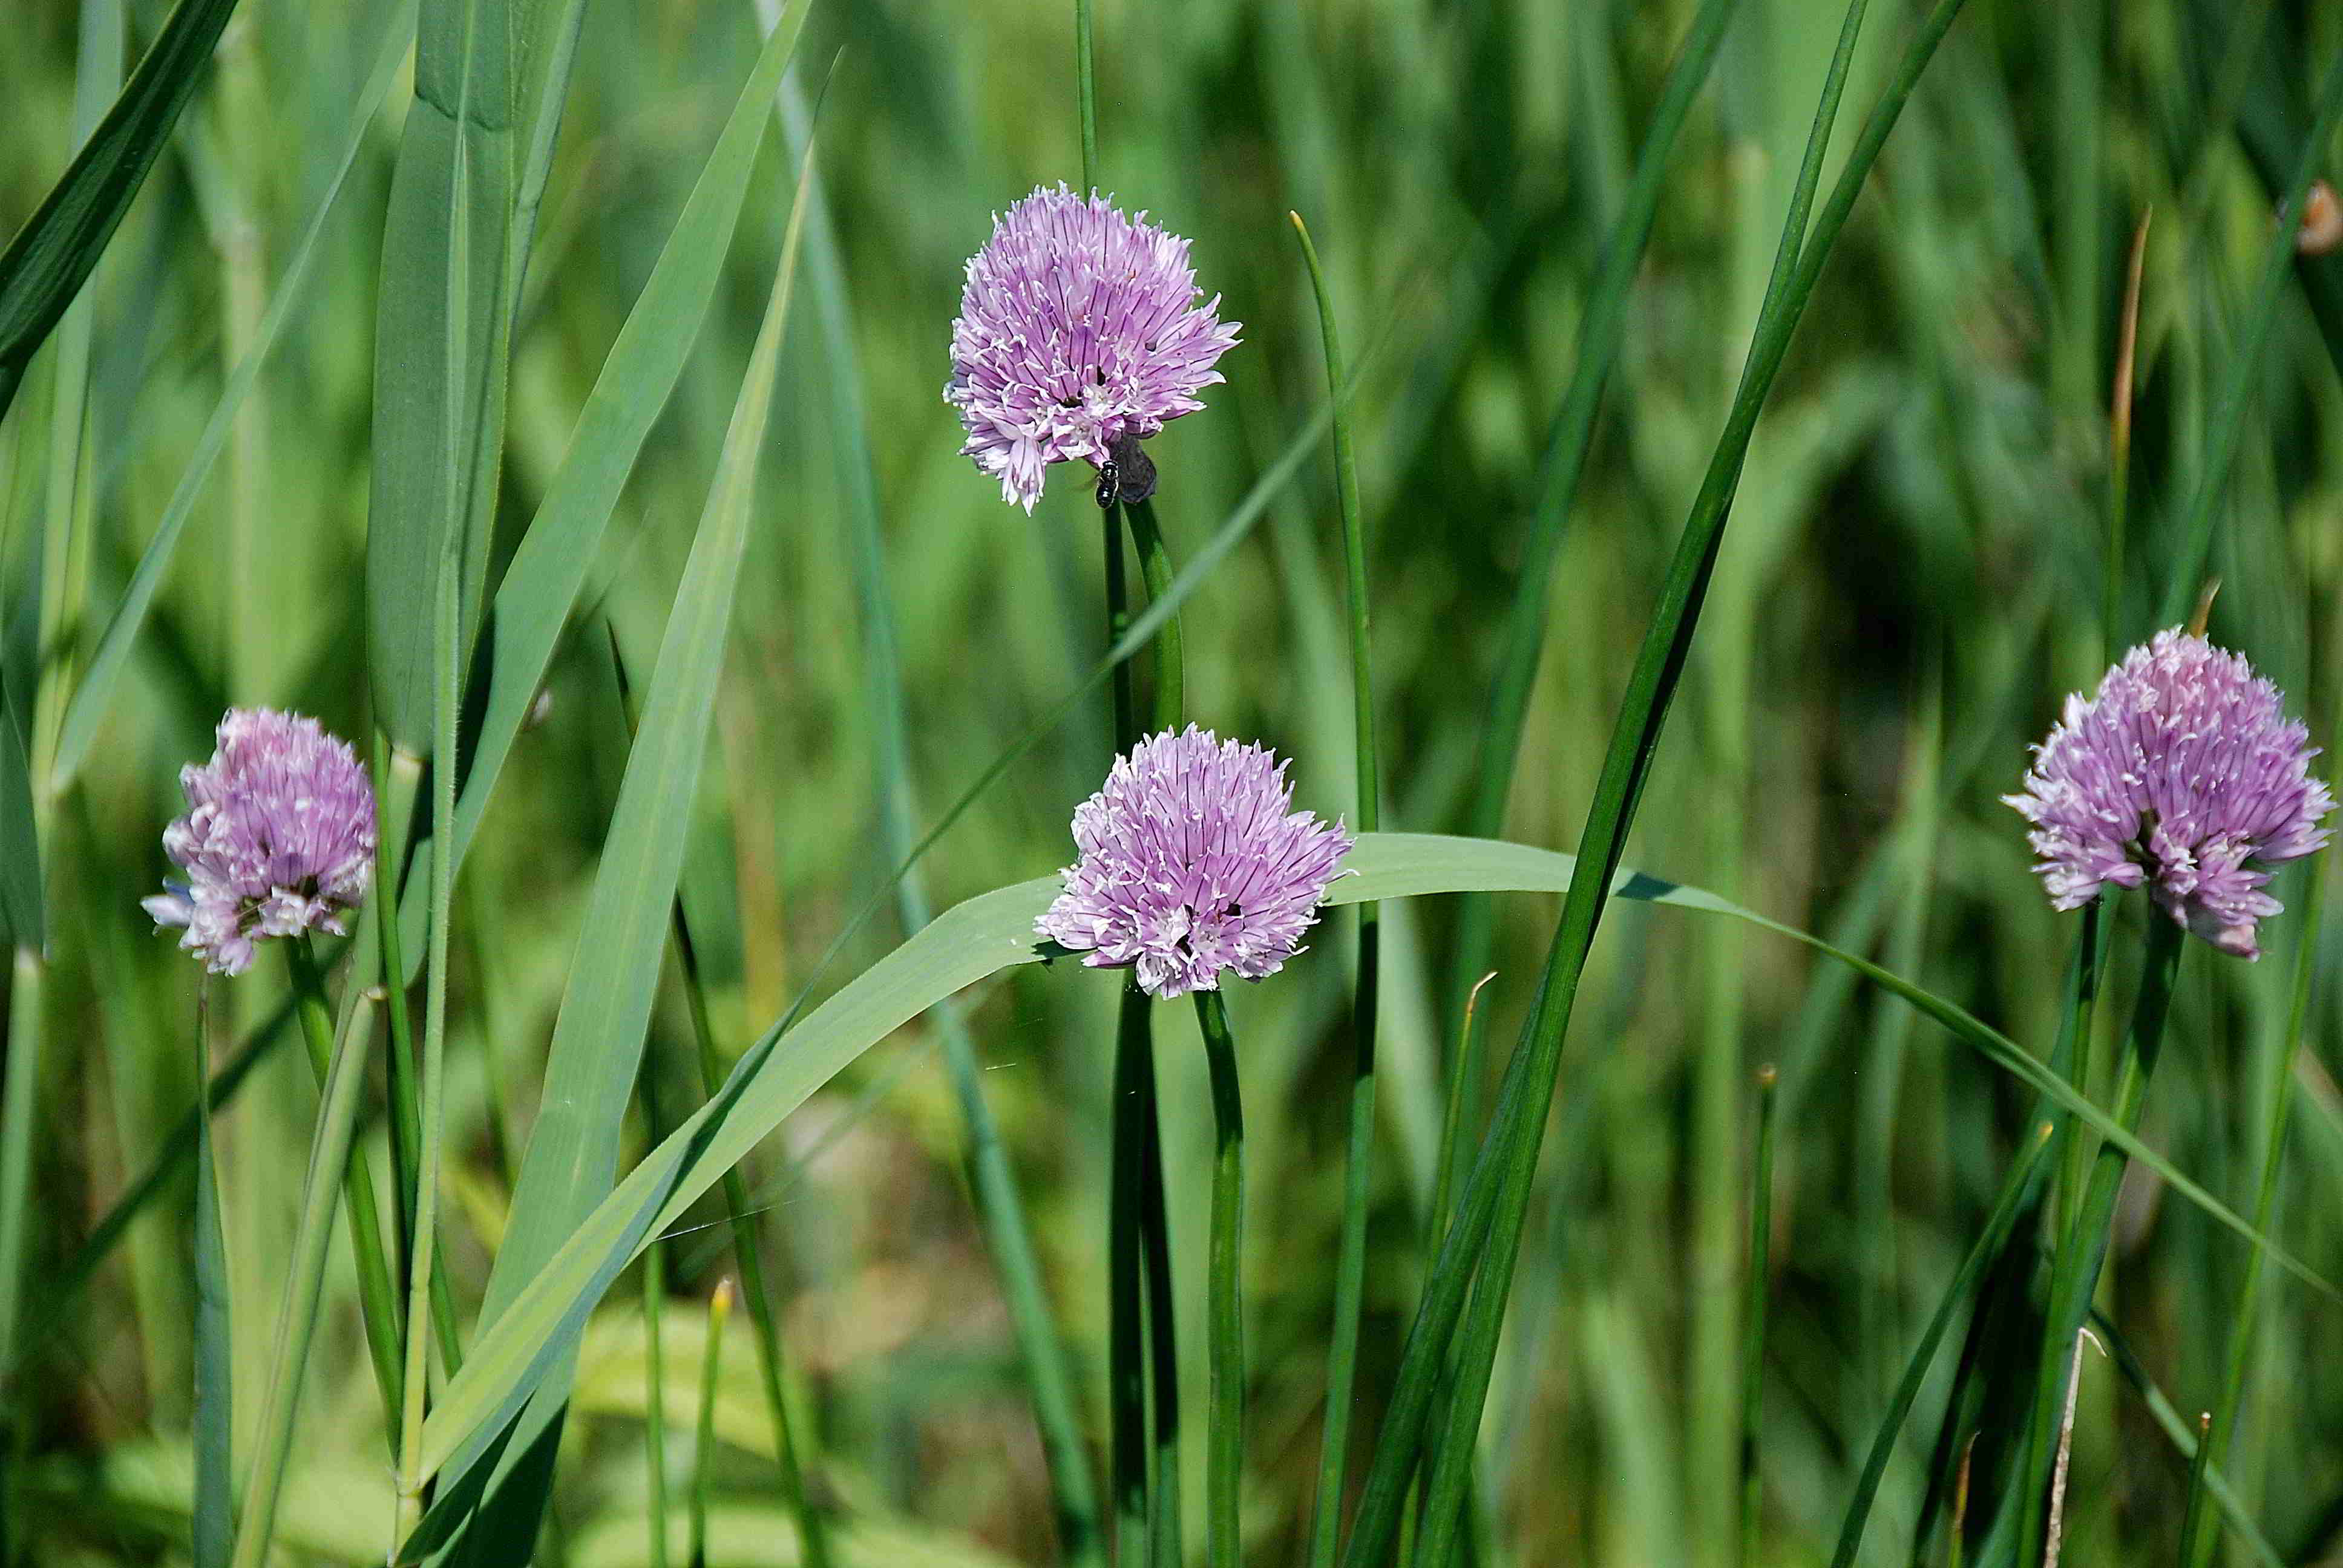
point(995, 931)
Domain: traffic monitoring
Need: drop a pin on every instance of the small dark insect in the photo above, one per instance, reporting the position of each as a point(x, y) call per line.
point(1110, 485)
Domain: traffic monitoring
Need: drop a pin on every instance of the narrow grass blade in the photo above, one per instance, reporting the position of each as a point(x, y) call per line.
point(91, 697)
point(2135, 1371)
point(297, 1319)
point(214, 1507)
point(53, 253)
point(377, 1304)
point(440, 330)
point(1753, 1317)
point(1351, 1262)
point(720, 1313)
point(2244, 359)
point(21, 921)
point(606, 1006)
point(541, 583)
point(1224, 1423)
point(2022, 1176)
point(1635, 740)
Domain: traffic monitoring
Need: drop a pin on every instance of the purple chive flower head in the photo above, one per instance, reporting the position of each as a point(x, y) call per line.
point(1078, 332)
point(1192, 863)
point(2184, 775)
point(278, 839)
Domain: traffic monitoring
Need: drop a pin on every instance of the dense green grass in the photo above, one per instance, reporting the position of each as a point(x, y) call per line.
point(1914, 574)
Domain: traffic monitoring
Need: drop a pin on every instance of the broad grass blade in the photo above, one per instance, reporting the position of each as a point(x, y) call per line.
point(980, 937)
point(462, 115)
point(87, 710)
point(52, 257)
point(542, 584)
point(606, 1006)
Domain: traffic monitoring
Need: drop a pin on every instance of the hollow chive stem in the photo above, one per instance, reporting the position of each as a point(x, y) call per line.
point(1224, 1439)
point(2084, 1250)
point(377, 1300)
point(297, 1323)
point(1126, 1290)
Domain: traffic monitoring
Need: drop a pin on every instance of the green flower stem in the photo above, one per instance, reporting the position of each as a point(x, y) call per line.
point(1086, 95)
point(2196, 1547)
point(1162, 1341)
point(1351, 1265)
point(711, 1369)
point(377, 1302)
point(1126, 1290)
point(329, 1153)
point(2083, 1251)
point(1752, 1354)
point(1224, 1428)
point(1155, 567)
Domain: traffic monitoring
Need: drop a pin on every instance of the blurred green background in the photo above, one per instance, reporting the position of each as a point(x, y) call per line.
point(1913, 579)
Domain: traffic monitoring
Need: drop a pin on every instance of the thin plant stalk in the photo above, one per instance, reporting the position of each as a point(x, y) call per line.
point(2192, 1529)
point(2119, 402)
point(764, 1320)
point(2021, 1176)
point(1351, 1265)
point(214, 1533)
point(397, 777)
point(433, 1082)
point(1510, 1153)
point(1126, 1293)
point(1225, 1429)
point(1155, 570)
point(329, 1153)
point(654, 1358)
point(1568, 441)
point(2084, 1250)
point(1163, 1319)
point(1752, 1354)
point(377, 1302)
point(1086, 95)
point(711, 1366)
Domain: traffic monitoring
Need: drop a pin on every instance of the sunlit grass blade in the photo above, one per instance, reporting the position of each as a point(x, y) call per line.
point(746, 1248)
point(440, 331)
point(93, 695)
point(53, 253)
point(298, 1318)
point(541, 583)
point(613, 981)
point(1350, 1261)
point(214, 1534)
